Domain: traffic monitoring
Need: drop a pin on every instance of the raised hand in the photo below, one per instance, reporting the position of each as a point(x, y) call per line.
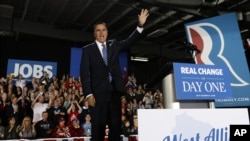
point(142, 17)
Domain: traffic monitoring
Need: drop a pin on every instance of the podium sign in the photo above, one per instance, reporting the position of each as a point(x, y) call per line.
point(189, 124)
point(201, 82)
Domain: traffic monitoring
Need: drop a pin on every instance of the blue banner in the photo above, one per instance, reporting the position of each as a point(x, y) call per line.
point(201, 82)
point(75, 60)
point(219, 40)
point(30, 69)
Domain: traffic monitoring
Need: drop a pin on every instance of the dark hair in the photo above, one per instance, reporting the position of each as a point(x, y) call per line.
point(11, 117)
point(99, 22)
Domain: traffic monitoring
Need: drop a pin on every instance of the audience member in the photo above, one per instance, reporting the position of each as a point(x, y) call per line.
point(75, 129)
point(130, 95)
point(63, 80)
point(12, 109)
point(148, 100)
point(158, 95)
point(134, 127)
point(25, 91)
point(3, 102)
point(86, 126)
point(32, 96)
point(44, 127)
point(73, 112)
point(85, 111)
point(32, 84)
point(140, 92)
point(39, 106)
point(123, 104)
point(61, 130)
point(20, 82)
point(25, 106)
point(160, 105)
point(41, 90)
point(26, 130)
point(141, 105)
point(56, 111)
point(2, 83)
point(19, 91)
point(10, 88)
point(134, 106)
point(129, 112)
point(67, 100)
point(131, 83)
point(11, 131)
point(123, 119)
point(54, 82)
point(126, 129)
point(70, 83)
point(44, 79)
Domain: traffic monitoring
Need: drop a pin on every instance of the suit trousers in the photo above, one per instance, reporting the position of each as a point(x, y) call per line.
point(106, 113)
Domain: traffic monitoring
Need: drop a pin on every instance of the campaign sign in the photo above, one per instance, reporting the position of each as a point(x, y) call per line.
point(31, 69)
point(201, 82)
point(190, 124)
point(219, 40)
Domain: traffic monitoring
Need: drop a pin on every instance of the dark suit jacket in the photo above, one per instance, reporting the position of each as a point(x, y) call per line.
point(94, 73)
point(9, 112)
point(54, 118)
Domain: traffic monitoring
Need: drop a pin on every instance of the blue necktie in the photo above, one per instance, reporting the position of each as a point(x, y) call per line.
point(105, 58)
point(104, 54)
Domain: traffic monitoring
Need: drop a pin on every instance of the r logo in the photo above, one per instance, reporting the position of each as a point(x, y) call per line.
point(210, 40)
point(219, 40)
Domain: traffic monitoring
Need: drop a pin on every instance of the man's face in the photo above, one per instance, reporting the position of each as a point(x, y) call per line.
point(101, 33)
point(45, 116)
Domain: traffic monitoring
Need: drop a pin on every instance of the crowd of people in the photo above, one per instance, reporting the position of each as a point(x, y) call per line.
point(56, 107)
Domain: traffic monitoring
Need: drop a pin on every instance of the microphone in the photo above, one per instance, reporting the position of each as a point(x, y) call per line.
point(191, 47)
